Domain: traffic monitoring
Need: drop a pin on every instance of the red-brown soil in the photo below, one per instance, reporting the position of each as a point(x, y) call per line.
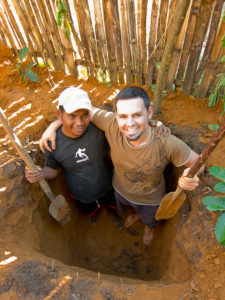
point(40, 259)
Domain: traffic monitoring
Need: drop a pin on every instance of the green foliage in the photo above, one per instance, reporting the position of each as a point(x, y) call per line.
point(219, 91)
point(214, 127)
point(25, 73)
point(62, 20)
point(218, 203)
point(103, 76)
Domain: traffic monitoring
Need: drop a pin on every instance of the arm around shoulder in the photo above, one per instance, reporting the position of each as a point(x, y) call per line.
point(49, 135)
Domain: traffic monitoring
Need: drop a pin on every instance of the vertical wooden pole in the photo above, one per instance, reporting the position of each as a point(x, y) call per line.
point(196, 47)
point(125, 41)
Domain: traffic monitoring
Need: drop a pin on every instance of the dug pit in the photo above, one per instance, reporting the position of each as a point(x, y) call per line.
point(102, 247)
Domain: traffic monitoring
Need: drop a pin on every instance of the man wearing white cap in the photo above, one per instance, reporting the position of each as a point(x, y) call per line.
point(82, 153)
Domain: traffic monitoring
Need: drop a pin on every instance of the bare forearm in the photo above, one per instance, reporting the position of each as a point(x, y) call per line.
point(49, 173)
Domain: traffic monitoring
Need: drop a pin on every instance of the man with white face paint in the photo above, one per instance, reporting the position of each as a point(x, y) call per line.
point(140, 158)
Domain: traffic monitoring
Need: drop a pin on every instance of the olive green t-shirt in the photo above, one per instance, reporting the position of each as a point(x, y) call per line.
point(138, 171)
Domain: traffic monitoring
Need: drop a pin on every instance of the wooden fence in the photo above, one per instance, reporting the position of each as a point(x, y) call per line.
point(124, 38)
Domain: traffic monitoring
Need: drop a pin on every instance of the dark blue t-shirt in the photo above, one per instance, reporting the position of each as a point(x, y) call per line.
point(85, 161)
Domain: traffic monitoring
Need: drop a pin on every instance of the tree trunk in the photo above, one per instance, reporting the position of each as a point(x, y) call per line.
point(196, 47)
point(212, 64)
point(178, 19)
point(211, 38)
point(195, 11)
point(117, 38)
point(176, 53)
point(110, 40)
point(125, 41)
point(152, 44)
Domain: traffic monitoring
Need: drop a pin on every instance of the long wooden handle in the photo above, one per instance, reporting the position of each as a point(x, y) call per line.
point(24, 155)
point(208, 150)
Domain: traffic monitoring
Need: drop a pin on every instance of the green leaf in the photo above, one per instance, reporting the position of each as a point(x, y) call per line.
point(18, 66)
point(220, 229)
point(158, 64)
point(218, 172)
point(223, 59)
point(214, 203)
point(23, 75)
point(223, 41)
point(213, 98)
point(222, 82)
point(214, 127)
point(31, 65)
point(23, 53)
point(220, 187)
point(32, 75)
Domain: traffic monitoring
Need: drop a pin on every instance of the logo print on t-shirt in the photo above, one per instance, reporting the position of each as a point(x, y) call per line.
point(81, 155)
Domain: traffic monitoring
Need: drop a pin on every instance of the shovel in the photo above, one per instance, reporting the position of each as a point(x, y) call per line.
point(172, 202)
point(59, 208)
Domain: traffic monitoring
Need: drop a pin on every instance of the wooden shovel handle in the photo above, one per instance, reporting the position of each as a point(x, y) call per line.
point(23, 154)
point(208, 150)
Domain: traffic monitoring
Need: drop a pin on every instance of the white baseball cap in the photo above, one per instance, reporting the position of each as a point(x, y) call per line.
point(73, 99)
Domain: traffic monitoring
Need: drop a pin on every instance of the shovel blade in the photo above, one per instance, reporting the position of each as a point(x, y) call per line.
point(169, 206)
point(60, 210)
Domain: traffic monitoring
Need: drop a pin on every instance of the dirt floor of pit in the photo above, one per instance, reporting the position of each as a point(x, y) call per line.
point(40, 259)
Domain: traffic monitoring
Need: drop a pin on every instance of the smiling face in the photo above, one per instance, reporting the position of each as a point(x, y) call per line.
point(132, 118)
point(76, 123)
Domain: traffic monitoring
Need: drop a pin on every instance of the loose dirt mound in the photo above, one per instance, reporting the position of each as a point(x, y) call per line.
point(41, 259)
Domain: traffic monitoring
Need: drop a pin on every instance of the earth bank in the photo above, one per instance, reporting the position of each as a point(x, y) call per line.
point(41, 259)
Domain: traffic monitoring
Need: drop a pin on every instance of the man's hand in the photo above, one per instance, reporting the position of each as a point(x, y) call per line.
point(32, 175)
point(160, 128)
point(187, 183)
point(49, 135)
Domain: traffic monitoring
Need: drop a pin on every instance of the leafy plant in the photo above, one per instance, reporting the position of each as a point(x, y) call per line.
point(103, 76)
point(218, 203)
point(219, 91)
point(62, 20)
point(214, 127)
point(25, 73)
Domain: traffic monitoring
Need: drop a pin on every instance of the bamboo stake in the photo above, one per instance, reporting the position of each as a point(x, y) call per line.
point(200, 32)
point(68, 47)
point(75, 34)
point(100, 35)
point(133, 40)
point(57, 43)
point(90, 32)
point(33, 24)
point(213, 62)
point(152, 44)
point(4, 42)
point(194, 14)
point(108, 20)
point(29, 35)
point(43, 37)
point(161, 28)
point(7, 32)
point(48, 35)
point(143, 38)
point(81, 24)
point(177, 52)
point(125, 43)
point(211, 38)
point(178, 19)
point(13, 23)
point(170, 14)
point(117, 38)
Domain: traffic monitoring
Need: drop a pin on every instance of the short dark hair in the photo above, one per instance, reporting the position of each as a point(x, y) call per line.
point(61, 108)
point(132, 92)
